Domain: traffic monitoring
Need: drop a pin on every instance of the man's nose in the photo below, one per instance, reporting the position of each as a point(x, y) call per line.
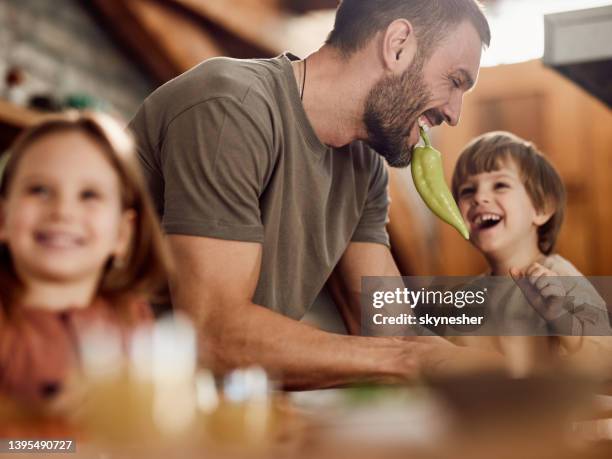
point(452, 110)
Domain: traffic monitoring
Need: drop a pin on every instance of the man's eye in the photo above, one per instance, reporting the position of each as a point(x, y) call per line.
point(456, 83)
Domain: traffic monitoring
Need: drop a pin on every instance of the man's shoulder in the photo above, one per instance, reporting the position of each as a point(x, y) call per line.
point(217, 78)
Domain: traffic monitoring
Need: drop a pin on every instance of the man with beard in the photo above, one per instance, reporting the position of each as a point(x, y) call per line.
point(270, 180)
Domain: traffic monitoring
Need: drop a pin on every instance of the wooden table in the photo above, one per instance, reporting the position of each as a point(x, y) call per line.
point(483, 416)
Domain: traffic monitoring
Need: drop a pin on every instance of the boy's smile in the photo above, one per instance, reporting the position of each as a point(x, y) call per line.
point(486, 220)
point(499, 212)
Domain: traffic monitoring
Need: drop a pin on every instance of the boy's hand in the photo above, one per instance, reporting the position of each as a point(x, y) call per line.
point(543, 289)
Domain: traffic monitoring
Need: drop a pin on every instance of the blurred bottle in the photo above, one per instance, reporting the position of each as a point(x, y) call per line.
point(149, 398)
point(244, 417)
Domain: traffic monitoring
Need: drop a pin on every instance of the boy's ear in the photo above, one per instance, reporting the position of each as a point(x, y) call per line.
point(126, 232)
point(543, 216)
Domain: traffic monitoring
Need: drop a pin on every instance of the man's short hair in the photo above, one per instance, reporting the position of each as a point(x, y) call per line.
point(492, 151)
point(357, 21)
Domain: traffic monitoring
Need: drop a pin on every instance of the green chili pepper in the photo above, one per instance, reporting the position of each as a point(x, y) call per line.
point(429, 181)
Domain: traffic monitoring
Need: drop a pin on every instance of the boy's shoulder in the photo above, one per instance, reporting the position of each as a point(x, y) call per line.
point(560, 265)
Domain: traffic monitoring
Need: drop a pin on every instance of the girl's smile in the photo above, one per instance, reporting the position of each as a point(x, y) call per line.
point(63, 217)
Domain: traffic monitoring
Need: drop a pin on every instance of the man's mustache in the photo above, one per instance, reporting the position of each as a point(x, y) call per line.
point(435, 116)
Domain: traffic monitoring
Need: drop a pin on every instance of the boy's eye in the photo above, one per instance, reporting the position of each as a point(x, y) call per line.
point(500, 185)
point(466, 192)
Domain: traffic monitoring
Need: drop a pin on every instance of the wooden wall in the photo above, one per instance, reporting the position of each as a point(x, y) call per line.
point(572, 128)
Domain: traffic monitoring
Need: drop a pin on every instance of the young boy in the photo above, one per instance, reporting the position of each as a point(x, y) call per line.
point(513, 201)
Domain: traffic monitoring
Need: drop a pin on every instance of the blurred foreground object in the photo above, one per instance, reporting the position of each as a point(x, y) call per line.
point(159, 399)
point(477, 416)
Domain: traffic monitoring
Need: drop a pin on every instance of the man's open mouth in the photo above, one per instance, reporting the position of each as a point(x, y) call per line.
point(424, 122)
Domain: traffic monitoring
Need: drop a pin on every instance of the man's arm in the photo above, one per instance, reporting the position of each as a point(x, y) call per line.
point(359, 260)
point(372, 259)
point(214, 283)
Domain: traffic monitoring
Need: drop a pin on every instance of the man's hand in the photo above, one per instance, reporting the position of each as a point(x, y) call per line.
point(543, 289)
point(437, 357)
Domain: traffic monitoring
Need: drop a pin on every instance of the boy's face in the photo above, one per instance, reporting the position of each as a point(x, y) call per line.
point(499, 211)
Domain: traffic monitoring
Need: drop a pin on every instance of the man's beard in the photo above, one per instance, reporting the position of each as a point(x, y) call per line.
point(392, 107)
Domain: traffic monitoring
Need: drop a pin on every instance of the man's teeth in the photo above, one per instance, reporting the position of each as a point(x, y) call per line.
point(423, 123)
point(484, 218)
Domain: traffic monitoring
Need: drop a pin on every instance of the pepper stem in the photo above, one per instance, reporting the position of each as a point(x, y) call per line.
point(425, 137)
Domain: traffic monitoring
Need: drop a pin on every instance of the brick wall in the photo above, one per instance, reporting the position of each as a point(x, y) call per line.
point(63, 50)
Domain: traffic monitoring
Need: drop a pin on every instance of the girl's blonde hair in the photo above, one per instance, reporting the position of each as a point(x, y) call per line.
point(144, 270)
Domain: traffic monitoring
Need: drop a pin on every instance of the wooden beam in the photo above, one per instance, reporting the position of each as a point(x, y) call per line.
point(254, 22)
point(182, 40)
point(119, 18)
point(167, 37)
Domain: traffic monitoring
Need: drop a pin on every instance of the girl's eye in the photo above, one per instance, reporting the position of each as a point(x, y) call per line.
point(90, 195)
point(38, 190)
point(500, 185)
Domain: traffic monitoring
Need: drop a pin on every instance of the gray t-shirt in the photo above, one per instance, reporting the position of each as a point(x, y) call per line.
point(228, 153)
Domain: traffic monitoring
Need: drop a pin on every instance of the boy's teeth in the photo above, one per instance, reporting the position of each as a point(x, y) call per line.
point(423, 123)
point(486, 217)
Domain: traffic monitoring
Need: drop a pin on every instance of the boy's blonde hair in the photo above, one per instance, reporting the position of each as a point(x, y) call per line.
point(144, 270)
point(491, 151)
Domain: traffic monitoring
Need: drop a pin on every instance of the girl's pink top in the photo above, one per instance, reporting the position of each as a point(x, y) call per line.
point(39, 349)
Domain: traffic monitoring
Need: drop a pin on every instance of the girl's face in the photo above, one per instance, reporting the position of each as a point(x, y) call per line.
point(499, 211)
point(62, 218)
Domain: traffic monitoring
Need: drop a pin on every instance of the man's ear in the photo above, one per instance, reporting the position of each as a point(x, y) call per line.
point(125, 234)
point(399, 45)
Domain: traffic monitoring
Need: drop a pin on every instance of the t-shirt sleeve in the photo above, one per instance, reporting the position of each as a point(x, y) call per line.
point(375, 214)
point(215, 157)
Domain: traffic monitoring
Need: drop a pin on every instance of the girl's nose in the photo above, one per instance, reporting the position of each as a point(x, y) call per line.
point(62, 208)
